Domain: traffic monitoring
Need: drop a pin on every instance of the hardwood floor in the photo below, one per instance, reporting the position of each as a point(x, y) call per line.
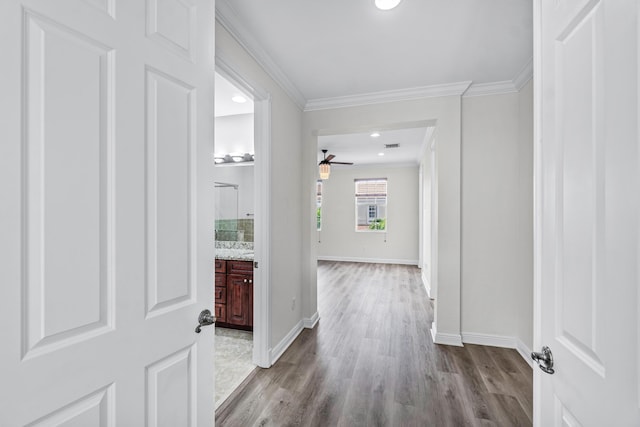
point(370, 361)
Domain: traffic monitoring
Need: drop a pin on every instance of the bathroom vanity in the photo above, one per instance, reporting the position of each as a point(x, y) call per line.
point(234, 292)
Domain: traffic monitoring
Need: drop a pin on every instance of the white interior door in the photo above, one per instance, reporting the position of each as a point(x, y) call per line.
point(587, 212)
point(106, 212)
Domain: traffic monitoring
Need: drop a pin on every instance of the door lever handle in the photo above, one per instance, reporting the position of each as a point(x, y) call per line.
point(205, 318)
point(544, 359)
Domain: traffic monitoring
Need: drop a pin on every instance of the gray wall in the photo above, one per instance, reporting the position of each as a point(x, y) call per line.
point(497, 221)
point(338, 239)
point(286, 197)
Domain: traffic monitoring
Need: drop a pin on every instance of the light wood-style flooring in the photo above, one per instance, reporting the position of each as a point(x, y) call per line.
point(370, 361)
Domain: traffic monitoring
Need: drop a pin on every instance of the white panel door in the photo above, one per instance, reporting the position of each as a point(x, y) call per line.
point(587, 212)
point(106, 216)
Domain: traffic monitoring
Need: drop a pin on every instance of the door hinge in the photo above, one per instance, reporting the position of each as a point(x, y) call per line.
point(255, 264)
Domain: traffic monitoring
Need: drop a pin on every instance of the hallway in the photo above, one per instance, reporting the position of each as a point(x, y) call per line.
point(371, 361)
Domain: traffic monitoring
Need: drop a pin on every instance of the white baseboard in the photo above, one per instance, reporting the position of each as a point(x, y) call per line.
point(446, 339)
point(498, 341)
point(283, 345)
point(369, 260)
point(525, 352)
point(310, 322)
point(427, 285)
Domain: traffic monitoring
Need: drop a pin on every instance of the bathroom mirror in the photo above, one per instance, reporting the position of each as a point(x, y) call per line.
point(226, 202)
point(234, 203)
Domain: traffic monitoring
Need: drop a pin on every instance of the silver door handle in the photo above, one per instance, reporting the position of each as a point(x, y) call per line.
point(205, 318)
point(544, 360)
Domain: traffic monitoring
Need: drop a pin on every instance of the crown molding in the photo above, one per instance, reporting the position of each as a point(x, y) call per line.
point(449, 89)
point(494, 88)
point(228, 18)
point(525, 74)
point(507, 86)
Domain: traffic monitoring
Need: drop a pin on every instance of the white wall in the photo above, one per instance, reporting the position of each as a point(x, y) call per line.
point(234, 134)
point(286, 190)
point(497, 197)
point(338, 239)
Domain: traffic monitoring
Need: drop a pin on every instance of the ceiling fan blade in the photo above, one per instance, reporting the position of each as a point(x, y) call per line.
point(341, 163)
point(329, 157)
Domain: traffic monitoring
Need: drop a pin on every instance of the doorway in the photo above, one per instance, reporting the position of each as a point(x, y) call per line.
point(234, 157)
point(242, 267)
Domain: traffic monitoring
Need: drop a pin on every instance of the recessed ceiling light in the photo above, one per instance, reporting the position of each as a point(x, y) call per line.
point(239, 99)
point(387, 4)
point(375, 135)
point(380, 154)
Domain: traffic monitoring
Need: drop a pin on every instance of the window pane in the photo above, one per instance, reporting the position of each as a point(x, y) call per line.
point(371, 204)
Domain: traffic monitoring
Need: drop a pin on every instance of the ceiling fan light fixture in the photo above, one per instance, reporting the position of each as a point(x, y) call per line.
point(387, 4)
point(324, 169)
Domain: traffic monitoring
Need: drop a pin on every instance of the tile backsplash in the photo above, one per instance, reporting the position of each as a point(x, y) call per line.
point(234, 230)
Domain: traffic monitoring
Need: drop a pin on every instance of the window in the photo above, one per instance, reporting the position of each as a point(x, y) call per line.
point(371, 204)
point(319, 205)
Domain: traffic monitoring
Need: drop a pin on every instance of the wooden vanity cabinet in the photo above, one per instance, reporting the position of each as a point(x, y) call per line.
point(240, 299)
point(234, 298)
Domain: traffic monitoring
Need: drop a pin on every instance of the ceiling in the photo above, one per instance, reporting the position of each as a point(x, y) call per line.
point(224, 106)
point(363, 150)
point(337, 48)
point(333, 52)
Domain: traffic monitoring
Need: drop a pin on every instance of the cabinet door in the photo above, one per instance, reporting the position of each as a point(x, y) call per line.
point(220, 313)
point(239, 299)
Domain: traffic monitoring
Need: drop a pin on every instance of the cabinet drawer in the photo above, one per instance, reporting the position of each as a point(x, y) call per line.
point(220, 266)
point(220, 313)
point(240, 267)
point(221, 294)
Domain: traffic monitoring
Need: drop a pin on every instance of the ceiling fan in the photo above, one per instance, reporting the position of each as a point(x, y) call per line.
point(325, 164)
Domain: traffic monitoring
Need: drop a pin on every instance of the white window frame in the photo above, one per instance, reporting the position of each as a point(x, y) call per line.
point(376, 197)
point(319, 188)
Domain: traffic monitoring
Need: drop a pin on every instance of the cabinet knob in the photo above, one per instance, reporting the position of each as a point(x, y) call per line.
point(245, 280)
point(250, 281)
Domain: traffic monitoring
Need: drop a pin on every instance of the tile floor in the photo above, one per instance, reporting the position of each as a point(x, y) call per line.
point(234, 349)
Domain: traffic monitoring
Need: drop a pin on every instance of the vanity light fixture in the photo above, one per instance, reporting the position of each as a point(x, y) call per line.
point(239, 99)
point(233, 158)
point(387, 4)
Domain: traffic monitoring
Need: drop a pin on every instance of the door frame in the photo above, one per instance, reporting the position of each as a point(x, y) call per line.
point(262, 200)
point(537, 206)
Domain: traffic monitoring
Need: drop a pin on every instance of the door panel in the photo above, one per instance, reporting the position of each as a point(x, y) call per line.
point(96, 409)
point(580, 185)
point(170, 390)
point(170, 142)
point(67, 282)
point(106, 214)
point(171, 23)
point(587, 212)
